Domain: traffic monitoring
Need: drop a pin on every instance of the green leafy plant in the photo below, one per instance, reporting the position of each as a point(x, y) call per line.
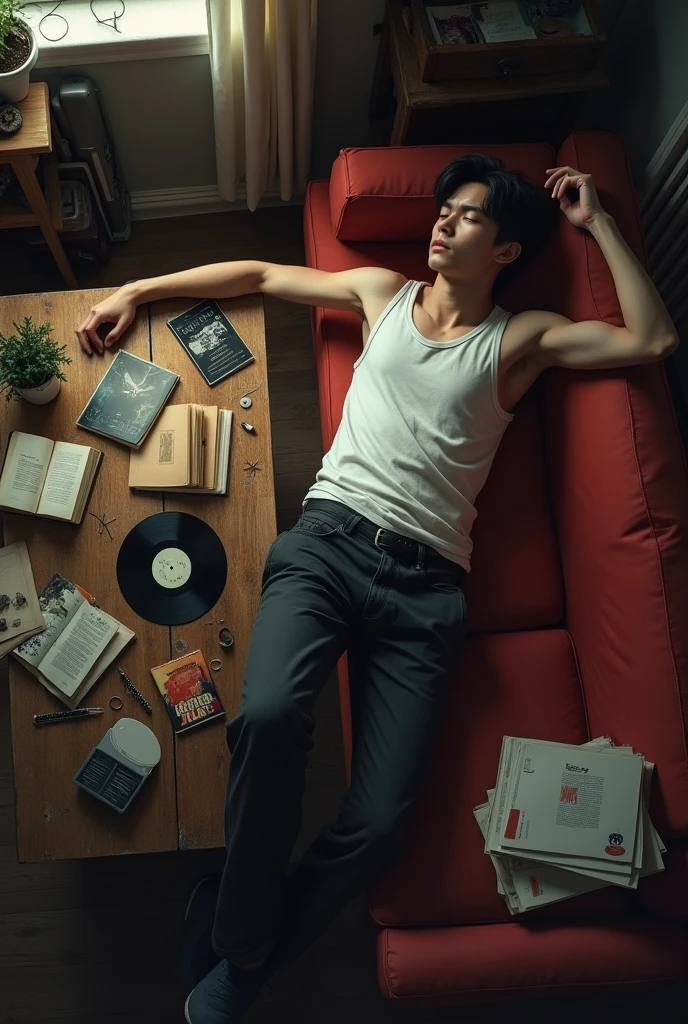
point(9, 21)
point(29, 358)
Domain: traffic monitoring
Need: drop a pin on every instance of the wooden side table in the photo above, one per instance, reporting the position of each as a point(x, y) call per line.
point(35, 137)
point(521, 109)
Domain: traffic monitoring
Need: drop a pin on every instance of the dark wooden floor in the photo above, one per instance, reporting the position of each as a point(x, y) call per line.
point(95, 942)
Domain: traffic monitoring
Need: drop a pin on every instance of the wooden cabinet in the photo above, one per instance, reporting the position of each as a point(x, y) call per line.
point(546, 55)
point(507, 108)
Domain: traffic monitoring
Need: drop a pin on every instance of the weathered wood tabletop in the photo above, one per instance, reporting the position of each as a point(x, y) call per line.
point(181, 805)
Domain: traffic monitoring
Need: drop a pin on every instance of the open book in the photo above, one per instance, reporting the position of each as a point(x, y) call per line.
point(187, 451)
point(77, 645)
point(45, 478)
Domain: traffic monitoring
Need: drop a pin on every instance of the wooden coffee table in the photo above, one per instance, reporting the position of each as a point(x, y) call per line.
point(182, 803)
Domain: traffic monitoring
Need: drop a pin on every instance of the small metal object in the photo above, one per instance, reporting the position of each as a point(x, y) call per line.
point(114, 705)
point(180, 646)
point(245, 402)
point(225, 637)
point(216, 664)
point(248, 427)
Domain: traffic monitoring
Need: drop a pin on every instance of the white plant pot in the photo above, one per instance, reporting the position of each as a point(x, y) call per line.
point(14, 85)
point(43, 394)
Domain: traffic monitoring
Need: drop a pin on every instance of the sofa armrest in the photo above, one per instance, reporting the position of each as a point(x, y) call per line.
point(619, 484)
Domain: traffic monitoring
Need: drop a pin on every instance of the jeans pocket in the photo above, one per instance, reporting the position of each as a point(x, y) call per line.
point(316, 525)
point(442, 580)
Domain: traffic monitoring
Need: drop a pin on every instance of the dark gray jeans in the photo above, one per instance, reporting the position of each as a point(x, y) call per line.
point(332, 583)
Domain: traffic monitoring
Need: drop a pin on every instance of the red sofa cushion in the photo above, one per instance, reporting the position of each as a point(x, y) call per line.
point(385, 193)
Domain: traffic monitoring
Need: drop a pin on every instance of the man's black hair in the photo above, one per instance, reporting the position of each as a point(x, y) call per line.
point(521, 212)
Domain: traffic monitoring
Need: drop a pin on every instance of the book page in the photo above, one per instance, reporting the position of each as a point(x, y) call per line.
point(75, 652)
point(579, 802)
point(20, 614)
point(210, 445)
point(59, 603)
point(24, 472)
point(63, 480)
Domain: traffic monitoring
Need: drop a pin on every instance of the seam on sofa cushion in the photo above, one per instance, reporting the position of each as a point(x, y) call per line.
point(651, 980)
point(660, 563)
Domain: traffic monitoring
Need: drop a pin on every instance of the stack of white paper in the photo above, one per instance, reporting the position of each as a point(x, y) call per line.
point(566, 819)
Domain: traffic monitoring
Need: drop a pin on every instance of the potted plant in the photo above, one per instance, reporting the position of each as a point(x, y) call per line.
point(30, 363)
point(18, 52)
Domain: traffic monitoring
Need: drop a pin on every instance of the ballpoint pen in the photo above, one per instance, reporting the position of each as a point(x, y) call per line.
point(66, 716)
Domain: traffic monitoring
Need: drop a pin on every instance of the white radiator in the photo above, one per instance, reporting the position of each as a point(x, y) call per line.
point(664, 212)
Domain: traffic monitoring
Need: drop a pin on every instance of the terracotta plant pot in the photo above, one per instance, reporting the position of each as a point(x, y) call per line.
point(43, 394)
point(14, 85)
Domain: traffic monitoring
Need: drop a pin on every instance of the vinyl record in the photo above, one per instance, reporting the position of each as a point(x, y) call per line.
point(171, 568)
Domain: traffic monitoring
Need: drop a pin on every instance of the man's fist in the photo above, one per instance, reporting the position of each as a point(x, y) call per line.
point(119, 309)
point(583, 210)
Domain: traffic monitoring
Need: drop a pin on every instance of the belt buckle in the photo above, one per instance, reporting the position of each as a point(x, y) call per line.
point(377, 535)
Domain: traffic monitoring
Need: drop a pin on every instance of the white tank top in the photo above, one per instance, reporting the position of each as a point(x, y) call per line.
point(420, 427)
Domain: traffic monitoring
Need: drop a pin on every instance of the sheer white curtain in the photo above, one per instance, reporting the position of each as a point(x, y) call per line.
point(262, 60)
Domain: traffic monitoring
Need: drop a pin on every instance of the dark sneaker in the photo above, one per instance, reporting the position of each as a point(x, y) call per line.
point(224, 995)
point(196, 954)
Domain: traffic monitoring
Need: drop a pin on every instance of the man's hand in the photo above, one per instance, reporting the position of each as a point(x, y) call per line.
point(119, 308)
point(583, 211)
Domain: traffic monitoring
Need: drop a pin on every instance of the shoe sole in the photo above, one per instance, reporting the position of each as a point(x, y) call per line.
point(186, 1009)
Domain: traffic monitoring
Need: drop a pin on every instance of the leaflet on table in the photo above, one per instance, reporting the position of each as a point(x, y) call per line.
point(574, 801)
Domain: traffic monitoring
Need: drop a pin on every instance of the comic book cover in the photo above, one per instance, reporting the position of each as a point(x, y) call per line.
point(188, 691)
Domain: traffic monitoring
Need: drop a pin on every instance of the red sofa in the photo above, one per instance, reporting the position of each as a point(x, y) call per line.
point(577, 601)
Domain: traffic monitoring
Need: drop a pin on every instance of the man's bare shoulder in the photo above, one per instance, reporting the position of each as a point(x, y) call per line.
point(378, 282)
point(525, 329)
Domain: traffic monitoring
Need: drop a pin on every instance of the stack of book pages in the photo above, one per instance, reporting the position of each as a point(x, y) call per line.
point(566, 819)
point(186, 450)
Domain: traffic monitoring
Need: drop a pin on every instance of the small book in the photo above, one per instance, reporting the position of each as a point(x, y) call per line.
point(46, 478)
point(187, 451)
point(77, 643)
point(188, 691)
point(211, 341)
point(20, 613)
point(128, 399)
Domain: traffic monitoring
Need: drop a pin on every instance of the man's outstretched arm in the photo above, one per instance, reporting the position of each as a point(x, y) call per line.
point(347, 290)
point(648, 333)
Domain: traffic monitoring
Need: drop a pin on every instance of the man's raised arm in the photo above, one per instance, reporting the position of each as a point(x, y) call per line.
point(344, 290)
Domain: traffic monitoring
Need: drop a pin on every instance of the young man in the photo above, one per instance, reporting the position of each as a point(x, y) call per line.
point(377, 562)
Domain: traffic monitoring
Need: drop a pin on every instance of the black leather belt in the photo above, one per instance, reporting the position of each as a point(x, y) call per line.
point(386, 540)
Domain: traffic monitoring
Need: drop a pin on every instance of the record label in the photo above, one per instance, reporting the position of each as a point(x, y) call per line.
point(171, 568)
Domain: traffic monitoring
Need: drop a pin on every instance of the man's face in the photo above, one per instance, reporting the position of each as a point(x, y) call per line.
point(463, 238)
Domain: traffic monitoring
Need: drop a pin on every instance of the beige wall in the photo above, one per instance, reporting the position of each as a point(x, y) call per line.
point(161, 110)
